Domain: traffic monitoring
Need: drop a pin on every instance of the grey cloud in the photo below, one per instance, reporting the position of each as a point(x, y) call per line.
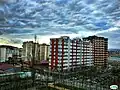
point(45, 17)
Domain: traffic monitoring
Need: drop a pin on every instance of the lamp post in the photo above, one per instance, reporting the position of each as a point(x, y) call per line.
point(33, 61)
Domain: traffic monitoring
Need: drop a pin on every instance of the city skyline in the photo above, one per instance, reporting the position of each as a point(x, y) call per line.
point(20, 20)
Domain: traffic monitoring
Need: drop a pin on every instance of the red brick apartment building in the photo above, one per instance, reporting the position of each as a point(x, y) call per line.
point(99, 50)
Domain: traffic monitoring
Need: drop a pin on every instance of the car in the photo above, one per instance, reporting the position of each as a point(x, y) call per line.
point(94, 82)
point(88, 80)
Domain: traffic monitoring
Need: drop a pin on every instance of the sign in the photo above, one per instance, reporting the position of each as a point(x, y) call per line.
point(114, 87)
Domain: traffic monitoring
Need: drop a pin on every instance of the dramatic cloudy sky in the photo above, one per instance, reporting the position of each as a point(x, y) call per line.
point(20, 20)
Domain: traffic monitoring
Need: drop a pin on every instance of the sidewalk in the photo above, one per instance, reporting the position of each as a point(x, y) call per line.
point(56, 87)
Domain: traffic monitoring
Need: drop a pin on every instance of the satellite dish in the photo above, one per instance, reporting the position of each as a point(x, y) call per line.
point(114, 87)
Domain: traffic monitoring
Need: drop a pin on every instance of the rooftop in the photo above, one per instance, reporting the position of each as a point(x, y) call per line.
point(45, 44)
point(94, 36)
point(7, 46)
point(4, 66)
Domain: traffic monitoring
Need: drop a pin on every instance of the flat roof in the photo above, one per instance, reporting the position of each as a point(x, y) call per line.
point(8, 46)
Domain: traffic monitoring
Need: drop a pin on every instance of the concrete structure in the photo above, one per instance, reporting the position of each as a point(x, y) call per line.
point(44, 51)
point(66, 53)
point(75, 53)
point(99, 50)
point(28, 51)
point(87, 58)
point(7, 51)
point(41, 51)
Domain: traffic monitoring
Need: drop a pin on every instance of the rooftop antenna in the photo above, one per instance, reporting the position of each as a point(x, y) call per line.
point(35, 38)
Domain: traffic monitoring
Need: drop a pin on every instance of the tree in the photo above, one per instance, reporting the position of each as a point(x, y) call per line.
point(9, 60)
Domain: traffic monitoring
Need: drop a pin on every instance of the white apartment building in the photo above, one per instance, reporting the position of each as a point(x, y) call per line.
point(66, 53)
point(28, 51)
point(44, 51)
point(7, 51)
point(87, 53)
point(40, 51)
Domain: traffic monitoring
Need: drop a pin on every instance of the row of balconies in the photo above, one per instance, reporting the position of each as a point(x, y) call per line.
point(81, 44)
point(60, 55)
point(71, 64)
point(60, 48)
point(74, 44)
point(76, 48)
point(79, 53)
point(66, 43)
point(66, 51)
point(74, 54)
point(66, 58)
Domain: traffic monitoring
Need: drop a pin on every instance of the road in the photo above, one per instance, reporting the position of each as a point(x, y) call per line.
point(77, 84)
point(56, 87)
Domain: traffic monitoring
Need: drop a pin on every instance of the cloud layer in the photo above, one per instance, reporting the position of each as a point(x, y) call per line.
point(21, 19)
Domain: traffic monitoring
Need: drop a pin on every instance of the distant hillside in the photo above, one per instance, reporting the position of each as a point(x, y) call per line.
point(113, 49)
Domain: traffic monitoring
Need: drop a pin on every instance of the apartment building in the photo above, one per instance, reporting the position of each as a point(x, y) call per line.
point(37, 51)
point(44, 51)
point(99, 50)
point(87, 56)
point(75, 53)
point(66, 53)
point(29, 49)
point(7, 51)
point(59, 53)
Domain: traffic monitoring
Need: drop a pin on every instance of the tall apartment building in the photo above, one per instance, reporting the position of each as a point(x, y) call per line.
point(44, 51)
point(66, 53)
point(75, 53)
point(87, 58)
point(7, 51)
point(30, 48)
point(27, 50)
point(99, 50)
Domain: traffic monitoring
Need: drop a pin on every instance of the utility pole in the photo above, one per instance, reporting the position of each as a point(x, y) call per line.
point(33, 60)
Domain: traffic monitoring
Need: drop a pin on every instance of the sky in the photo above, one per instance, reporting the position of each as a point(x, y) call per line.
point(20, 20)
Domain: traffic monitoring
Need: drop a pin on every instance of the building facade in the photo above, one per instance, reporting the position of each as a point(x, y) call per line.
point(87, 57)
point(7, 51)
point(75, 53)
point(29, 50)
point(37, 51)
point(44, 51)
point(67, 54)
point(99, 50)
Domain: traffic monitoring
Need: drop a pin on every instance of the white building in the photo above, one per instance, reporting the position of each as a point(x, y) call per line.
point(66, 54)
point(44, 51)
point(87, 53)
point(7, 51)
point(28, 51)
